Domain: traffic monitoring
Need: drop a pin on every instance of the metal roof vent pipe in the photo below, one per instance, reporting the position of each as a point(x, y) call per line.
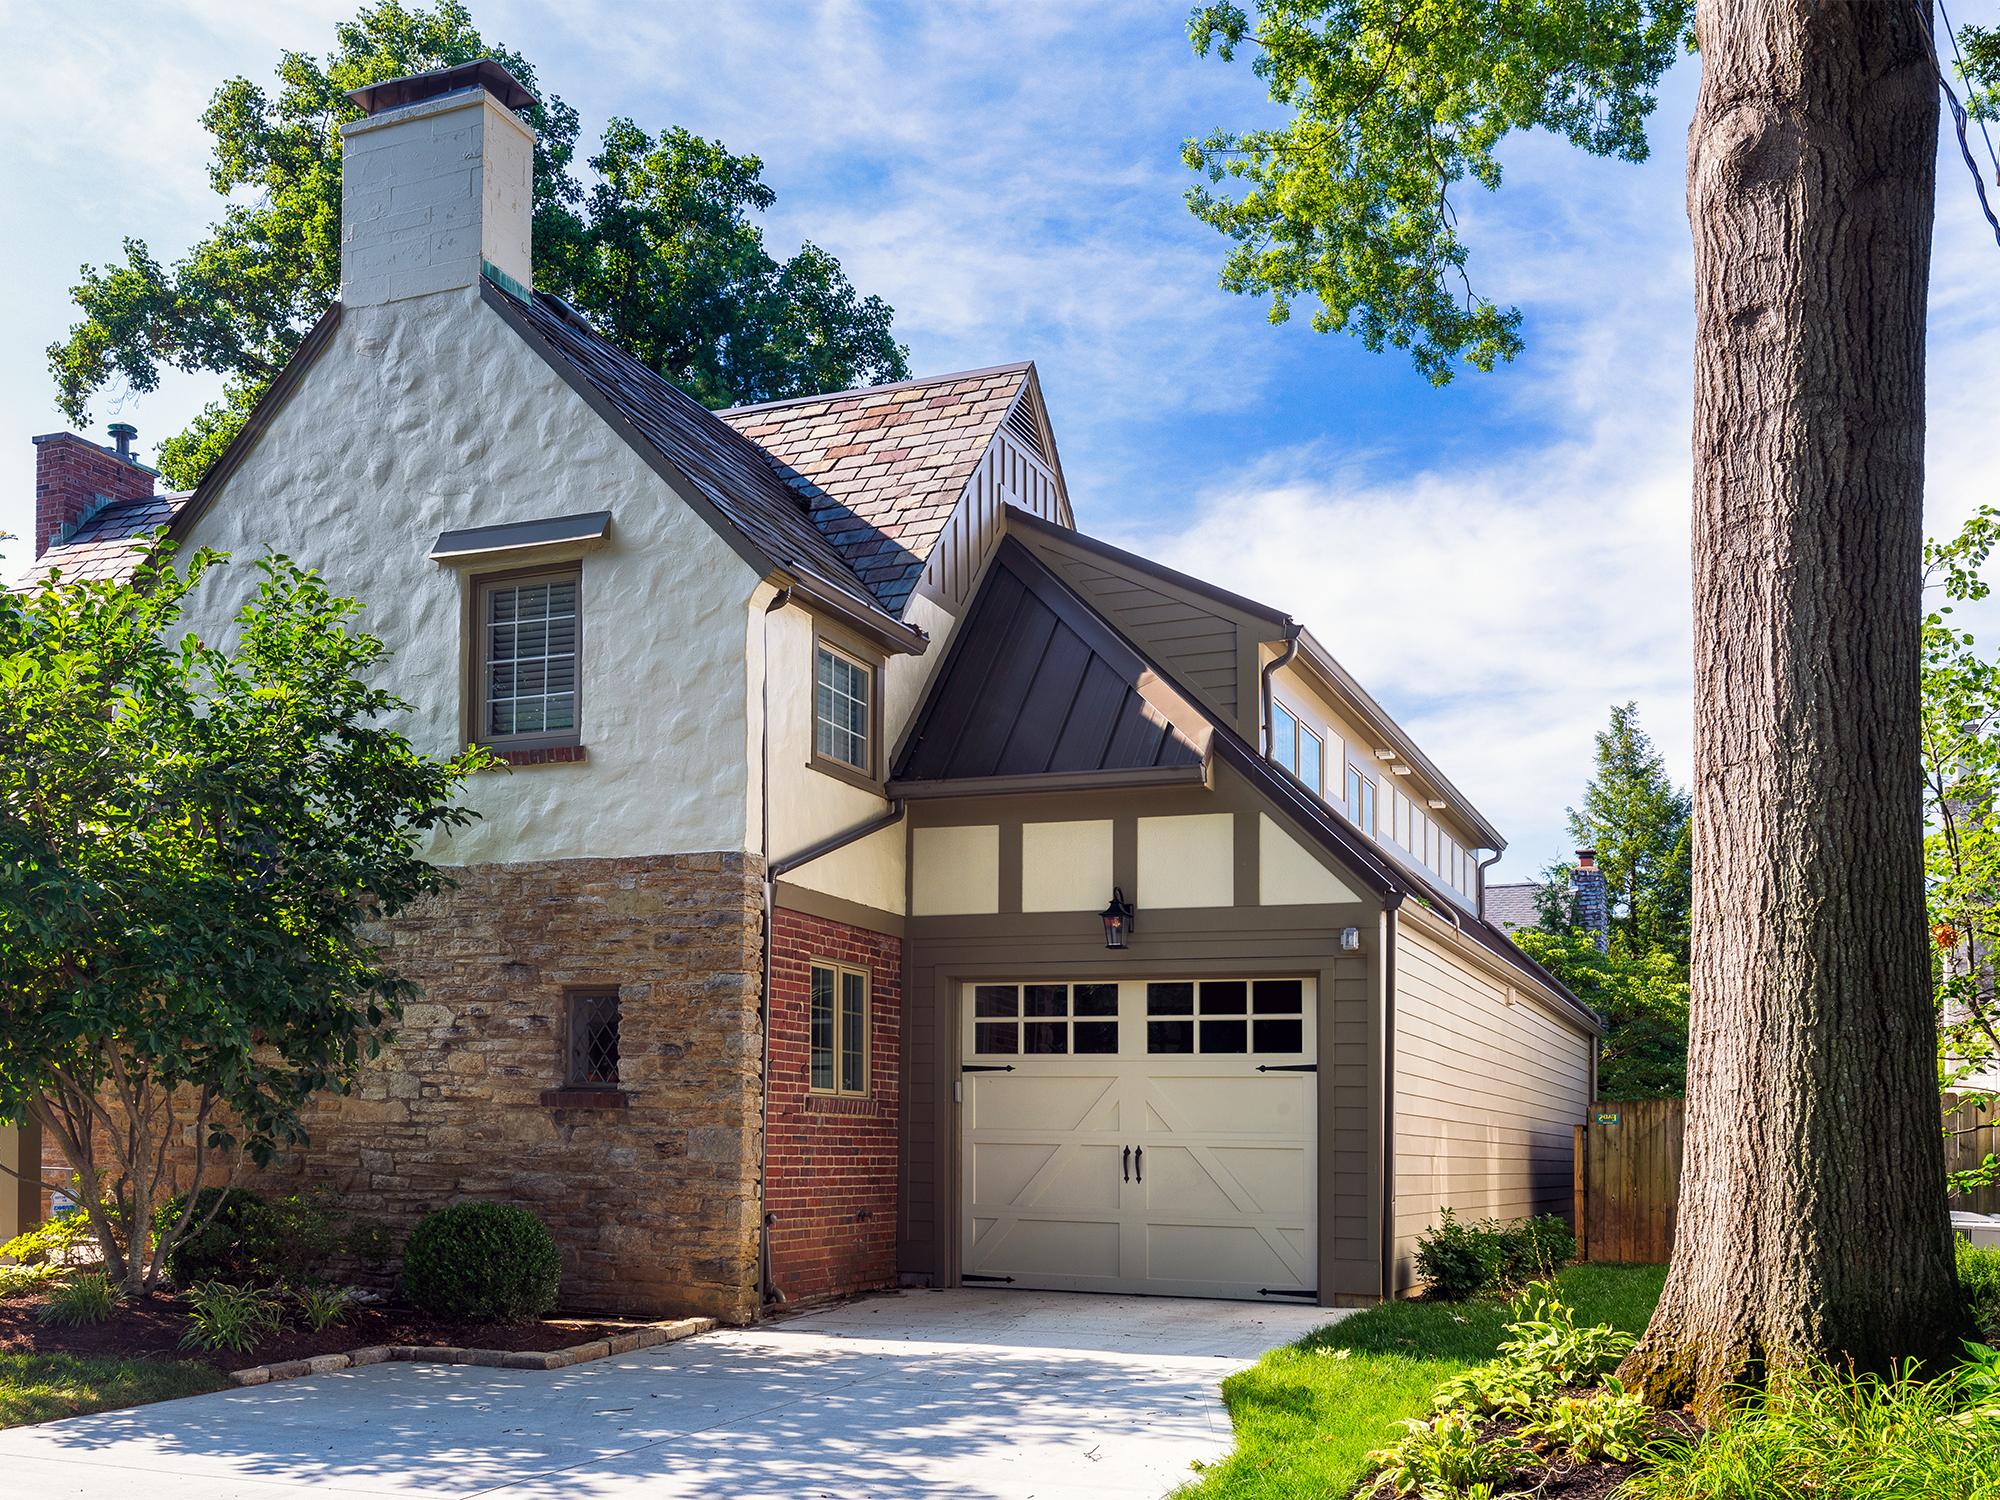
point(122, 434)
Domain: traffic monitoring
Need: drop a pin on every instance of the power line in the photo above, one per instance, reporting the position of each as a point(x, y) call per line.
point(1959, 57)
point(1958, 114)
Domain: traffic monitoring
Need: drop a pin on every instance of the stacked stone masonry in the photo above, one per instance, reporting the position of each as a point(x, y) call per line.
point(833, 1184)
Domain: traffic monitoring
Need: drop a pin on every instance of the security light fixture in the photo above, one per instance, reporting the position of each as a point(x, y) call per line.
point(1350, 939)
point(1439, 803)
point(1118, 919)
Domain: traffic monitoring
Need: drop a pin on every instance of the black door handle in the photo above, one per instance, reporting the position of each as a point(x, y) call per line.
point(1139, 1163)
point(1128, 1164)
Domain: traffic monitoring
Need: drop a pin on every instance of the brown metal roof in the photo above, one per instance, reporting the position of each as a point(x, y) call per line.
point(1038, 685)
point(882, 467)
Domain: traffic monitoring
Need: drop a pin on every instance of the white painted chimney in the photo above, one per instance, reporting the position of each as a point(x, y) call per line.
point(437, 180)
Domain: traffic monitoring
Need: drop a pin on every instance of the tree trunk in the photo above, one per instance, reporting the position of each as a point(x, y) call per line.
point(1813, 1219)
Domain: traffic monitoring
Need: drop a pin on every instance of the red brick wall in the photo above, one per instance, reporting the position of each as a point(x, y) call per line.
point(71, 475)
point(832, 1161)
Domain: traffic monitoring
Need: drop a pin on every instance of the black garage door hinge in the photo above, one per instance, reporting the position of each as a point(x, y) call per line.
point(1304, 1291)
point(972, 1276)
point(1287, 1067)
point(987, 1068)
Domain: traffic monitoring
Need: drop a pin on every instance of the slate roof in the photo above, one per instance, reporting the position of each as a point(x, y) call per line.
point(730, 472)
point(882, 467)
point(106, 546)
point(1513, 905)
point(1037, 684)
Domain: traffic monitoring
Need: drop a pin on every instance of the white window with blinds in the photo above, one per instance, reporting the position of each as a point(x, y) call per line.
point(529, 660)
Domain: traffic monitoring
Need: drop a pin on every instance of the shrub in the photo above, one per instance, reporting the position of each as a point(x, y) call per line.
point(86, 1297)
point(1979, 1275)
point(29, 1278)
point(1446, 1456)
point(53, 1242)
point(1458, 1260)
point(1611, 1423)
point(324, 1306)
point(244, 1238)
point(1452, 1261)
point(482, 1262)
point(226, 1316)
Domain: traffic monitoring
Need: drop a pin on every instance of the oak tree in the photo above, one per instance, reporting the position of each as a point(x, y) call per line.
point(1813, 1221)
point(664, 252)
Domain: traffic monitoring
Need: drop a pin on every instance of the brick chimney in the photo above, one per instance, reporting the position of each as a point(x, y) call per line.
point(74, 476)
point(1593, 903)
point(436, 182)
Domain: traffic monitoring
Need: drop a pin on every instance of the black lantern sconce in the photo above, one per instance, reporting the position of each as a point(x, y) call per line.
point(1118, 919)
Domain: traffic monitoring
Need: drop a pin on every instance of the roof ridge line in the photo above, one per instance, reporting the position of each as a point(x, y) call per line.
point(1022, 365)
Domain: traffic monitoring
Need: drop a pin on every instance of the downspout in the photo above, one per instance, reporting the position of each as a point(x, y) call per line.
point(1480, 893)
point(1389, 911)
point(1292, 632)
point(767, 1290)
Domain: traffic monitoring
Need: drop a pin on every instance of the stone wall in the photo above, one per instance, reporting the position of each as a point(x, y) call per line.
point(654, 1203)
point(833, 1160)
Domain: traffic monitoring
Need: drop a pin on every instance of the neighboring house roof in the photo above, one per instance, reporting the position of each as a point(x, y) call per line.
point(732, 477)
point(1513, 905)
point(1038, 686)
point(882, 467)
point(108, 545)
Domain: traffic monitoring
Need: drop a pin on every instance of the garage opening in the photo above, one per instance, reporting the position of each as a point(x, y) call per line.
point(1155, 1135)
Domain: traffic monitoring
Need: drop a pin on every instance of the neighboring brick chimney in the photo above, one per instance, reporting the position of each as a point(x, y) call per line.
point(435, 184)
point(1593, 903)
point(74, 476)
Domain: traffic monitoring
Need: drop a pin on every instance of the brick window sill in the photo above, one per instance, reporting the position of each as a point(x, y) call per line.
point(584, 1099)
point(548, 755)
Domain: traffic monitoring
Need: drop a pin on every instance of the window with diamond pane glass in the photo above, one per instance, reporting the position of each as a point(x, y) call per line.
point(593, 1039)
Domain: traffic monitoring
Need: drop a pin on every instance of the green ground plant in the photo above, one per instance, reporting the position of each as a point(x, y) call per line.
point(1610, 1422)
point(324, 1307)
point(1445, 1458)
point(82, 1298)
point(1979, 1274)
point(226, 1316)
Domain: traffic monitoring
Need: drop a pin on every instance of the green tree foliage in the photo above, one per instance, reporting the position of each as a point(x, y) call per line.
point(1961, 708)
point(1643, 999)
point(1638, 821)
point(1981, 46)
point(193, 840)
point(664, 252)
point(1392, 105)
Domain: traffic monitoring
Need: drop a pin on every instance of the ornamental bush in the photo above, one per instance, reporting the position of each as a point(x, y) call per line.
point(481, 1263)
point(1457, 1260)
point(249, 1238)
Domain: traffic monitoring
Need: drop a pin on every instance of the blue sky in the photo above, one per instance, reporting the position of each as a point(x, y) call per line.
point(1499, 561)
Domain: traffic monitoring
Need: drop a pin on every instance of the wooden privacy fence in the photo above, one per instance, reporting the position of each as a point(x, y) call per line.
point(1628, 1179)
point(1628, 1174)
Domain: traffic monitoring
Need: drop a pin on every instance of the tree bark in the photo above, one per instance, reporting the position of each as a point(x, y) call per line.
point(1813, 1220)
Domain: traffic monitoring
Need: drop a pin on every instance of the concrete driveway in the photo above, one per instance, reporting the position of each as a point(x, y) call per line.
point(959, 1393)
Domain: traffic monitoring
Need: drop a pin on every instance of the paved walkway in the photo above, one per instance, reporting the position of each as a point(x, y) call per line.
point(993, 1394)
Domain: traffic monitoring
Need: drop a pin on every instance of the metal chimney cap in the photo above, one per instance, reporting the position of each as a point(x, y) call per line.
point(488, 73)
point(122, 434)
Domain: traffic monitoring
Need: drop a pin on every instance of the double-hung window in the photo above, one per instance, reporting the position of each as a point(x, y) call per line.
point(528, 657)
point(843, 710)
point(838, 1027)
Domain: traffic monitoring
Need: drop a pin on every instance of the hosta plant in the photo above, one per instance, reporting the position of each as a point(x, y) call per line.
point(1445, 1458)
point(1611, 1423)
point(1544, 1335)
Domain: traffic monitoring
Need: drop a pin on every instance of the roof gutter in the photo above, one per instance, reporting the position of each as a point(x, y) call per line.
point(1293, 630)
point(905, 640)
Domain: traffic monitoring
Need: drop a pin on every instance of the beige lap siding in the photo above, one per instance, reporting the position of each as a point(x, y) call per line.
point(1486, 1096)
point(654, 1205)
point(832, 1184)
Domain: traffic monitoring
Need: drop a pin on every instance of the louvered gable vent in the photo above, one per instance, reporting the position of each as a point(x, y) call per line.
point(1025, 422)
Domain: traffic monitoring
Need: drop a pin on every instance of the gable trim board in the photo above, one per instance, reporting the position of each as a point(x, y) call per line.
point(866, 617)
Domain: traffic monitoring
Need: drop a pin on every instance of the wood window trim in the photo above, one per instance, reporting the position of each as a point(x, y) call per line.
point(869, 777)
point(517, 749)
point(839, 970)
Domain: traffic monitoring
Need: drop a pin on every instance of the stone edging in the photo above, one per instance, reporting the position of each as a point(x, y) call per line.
point(643, 1337)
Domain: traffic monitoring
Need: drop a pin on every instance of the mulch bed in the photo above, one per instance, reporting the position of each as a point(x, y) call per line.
point(1562, 1480)
point(151, 1328)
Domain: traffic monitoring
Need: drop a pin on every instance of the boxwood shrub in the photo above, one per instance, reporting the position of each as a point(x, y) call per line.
point(482, 1263)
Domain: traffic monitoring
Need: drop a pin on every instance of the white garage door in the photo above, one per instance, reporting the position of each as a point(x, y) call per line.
point(1143, 1136)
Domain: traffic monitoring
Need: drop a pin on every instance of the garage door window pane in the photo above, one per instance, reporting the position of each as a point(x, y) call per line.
point(1169, 1000)
point(1046, 1000)
point(1095, 1000)
point(996, 1037)
point(1224, 1036)
point(1278, 997)
point(1170, 1036)
point(1225, 999)
point(996, 1000)
point(1280, 1036)
point(1045, 1038)
point(1097, 1038)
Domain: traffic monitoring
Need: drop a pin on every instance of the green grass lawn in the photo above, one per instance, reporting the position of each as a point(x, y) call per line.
point(1305, 1414)
point(42, 1387)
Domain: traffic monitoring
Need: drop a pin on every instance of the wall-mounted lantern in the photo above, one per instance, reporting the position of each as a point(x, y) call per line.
point(1118, 919)
point(1350, 939)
